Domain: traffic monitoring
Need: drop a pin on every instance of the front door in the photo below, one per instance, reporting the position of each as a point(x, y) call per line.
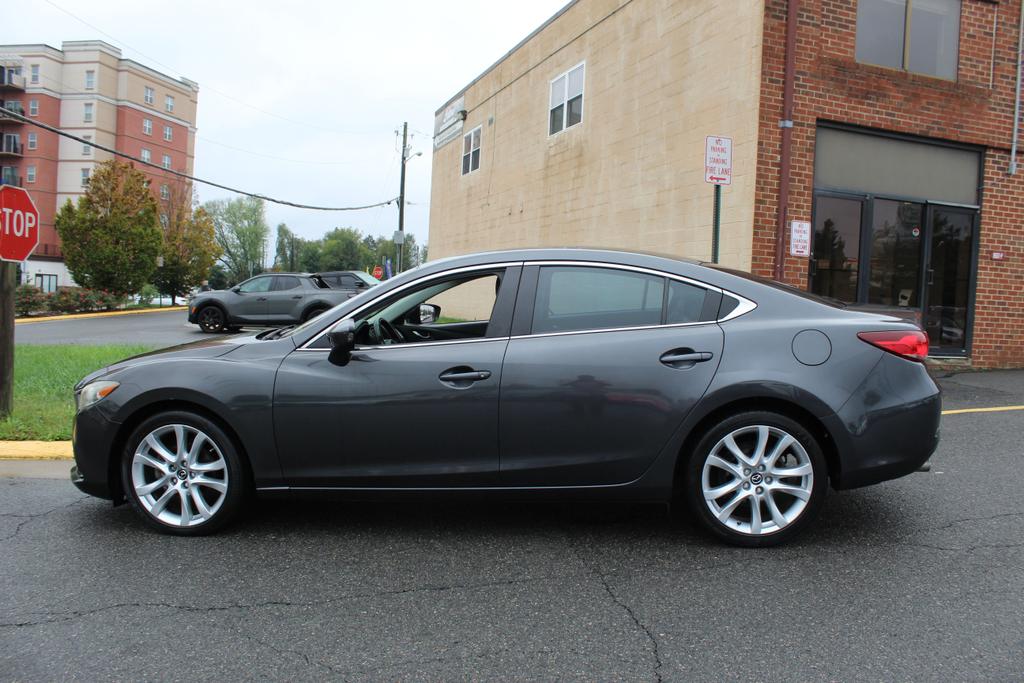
point(948, 277)
point(248, 301)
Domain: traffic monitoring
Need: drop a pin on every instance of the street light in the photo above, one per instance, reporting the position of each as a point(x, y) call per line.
point(400, 242)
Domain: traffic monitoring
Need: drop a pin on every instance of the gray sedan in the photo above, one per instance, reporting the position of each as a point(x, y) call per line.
point(536, 373)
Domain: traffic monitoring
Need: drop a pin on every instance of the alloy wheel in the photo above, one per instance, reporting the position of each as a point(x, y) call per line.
point(211, 319)
point(757, 480)
point(179, 475)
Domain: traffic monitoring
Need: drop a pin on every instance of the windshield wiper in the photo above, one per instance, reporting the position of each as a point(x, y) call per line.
point(277, 334)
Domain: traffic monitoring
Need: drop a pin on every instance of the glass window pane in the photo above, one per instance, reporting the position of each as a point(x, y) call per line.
point(575, 82)
point(467, 143)
point(895, 276)
point(880, 28)
point(555, 124)
point(260, 284)
point(584, 298)
point(934, 37)
point(685, 303)
point(557, 92)
point(465, 164)
point(575, 111)
point(475, 163)
point(285, 282)
point(950, 286)
point(836, 247)
point(476, 139)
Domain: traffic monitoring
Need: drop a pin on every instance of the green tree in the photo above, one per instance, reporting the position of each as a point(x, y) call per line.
point(190, 248)
point(289, 245)
point(241, 232)
point(111, 238)
point(344, 249)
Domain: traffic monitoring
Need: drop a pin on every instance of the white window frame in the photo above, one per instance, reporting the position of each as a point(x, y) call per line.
point(30, 174)
point(565, 100)
point(147, 126)
point(168, 134)
point(148, 95)
point(146, 155)
point(32, 141)
point(166, 162)
point(90, 79)
point(462, 158)
point(33, 74)
point(33, 107)
point(86, 173)
point(88, 112)
point(165, 192)
point(169, 103)
point(87, 149)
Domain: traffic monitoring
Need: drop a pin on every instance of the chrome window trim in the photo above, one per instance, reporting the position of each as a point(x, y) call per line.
point(743, 307)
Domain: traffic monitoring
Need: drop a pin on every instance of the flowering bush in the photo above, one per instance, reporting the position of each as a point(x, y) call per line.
point(29, 299)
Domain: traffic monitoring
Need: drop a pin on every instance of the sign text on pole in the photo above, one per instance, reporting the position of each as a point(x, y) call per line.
point(19, 224)
point(718, 160)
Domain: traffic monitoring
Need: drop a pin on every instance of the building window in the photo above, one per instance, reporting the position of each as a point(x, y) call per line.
point(146, 155)
point(87, 148)
point(566, 105)
point(33, 140)
point(85, 177)
point(921, 36)
point(165, 192)
point(168, 133)
point(147, 126)
point(169, 103)
point(87, 113)
point(46, 283)
point(164, 221)
point(34, 74)
point(30, 174)
point(33, 107)
point(167, 161)
point(90, 80)
point(471, 151)
point(147, 95)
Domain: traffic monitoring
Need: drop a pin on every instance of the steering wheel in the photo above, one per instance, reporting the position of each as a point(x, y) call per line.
point(388, 333)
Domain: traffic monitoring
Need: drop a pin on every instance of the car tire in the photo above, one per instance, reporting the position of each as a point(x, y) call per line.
point(211, 319)
point(756, 479)
point(182, 474)
point(312, 313)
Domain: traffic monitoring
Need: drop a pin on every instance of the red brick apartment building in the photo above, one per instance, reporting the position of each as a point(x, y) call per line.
point(887, 125)
point(87, 89)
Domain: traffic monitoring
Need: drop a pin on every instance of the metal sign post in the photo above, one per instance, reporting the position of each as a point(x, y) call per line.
point(718, 171)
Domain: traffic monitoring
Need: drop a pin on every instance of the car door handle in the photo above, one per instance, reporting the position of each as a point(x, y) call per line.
point(261, 298)
point(463, 376)
point(297, 296)
point(685, 357)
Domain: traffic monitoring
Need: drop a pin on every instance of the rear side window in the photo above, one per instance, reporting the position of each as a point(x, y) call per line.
point(685, 303)
point(283, 282)
point(586, 298)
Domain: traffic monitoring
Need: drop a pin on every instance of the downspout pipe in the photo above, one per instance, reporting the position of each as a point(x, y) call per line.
point(786, 124)
point(1016, 101)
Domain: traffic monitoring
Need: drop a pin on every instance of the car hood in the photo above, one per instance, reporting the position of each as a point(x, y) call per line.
point(207, 348)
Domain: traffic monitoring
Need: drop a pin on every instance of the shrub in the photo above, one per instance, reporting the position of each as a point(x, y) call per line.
point(108, 301)
point(147, 295)
point(29, 299)
point(66, 300)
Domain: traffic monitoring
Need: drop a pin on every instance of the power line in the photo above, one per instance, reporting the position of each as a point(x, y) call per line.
point(24, 119)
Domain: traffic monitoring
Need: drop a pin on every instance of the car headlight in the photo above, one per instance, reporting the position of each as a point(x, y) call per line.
point(93, 392)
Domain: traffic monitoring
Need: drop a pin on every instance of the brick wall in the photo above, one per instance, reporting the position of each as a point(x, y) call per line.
point(977, 109)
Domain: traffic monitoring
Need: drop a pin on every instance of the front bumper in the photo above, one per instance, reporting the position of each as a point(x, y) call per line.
point(93, 437)
point(889, 427)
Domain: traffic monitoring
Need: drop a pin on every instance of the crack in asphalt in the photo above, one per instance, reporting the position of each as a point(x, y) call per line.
point(26, 518)
point(60, 617)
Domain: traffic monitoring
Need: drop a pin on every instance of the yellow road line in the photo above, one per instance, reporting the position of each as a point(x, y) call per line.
point(997, 409)
point(35, 450)
point(103, 314)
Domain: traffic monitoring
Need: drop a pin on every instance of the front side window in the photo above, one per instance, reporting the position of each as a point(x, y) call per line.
point(920, 36)
point(87, 112)
point(90, 80)
point(147, 95)
point(471, 151)
point(33, 140)
point(34, 74)
point(591, 298)
point(33, 107)
point(86, 147)
point(257, 284)
point(147, 126)
point(565, 108)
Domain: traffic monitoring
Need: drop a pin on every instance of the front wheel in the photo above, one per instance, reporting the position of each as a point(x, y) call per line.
point(211, 319)
point(182, 474)
point(756, 479)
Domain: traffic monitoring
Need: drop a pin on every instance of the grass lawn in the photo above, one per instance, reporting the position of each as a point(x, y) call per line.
point(44, 376)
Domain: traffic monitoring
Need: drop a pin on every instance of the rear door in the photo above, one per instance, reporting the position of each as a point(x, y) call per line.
point(285, 299)
point(603, 365)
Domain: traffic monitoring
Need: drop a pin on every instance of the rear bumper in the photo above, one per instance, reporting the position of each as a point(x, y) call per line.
point(889, 427)
point(93, 440)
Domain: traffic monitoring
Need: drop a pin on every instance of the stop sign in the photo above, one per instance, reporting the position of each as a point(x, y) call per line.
point(19, 224)
point(378, 272)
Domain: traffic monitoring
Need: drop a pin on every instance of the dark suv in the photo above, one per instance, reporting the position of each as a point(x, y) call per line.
point(354, 281)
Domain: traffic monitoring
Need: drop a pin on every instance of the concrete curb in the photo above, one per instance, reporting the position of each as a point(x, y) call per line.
point(103, 314)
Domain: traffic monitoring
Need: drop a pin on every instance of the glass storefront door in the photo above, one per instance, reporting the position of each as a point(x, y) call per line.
point(896, 253)
point(948, 278)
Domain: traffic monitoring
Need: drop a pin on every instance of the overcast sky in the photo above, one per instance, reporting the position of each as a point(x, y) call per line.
point(344, 74)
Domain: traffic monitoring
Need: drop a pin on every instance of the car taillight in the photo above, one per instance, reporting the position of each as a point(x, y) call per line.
point(912, 345)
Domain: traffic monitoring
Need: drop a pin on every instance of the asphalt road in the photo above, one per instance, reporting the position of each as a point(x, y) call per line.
point(153, 329)
point(916, 579)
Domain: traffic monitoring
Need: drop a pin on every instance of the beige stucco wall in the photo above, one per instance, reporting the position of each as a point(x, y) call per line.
point(660, 76)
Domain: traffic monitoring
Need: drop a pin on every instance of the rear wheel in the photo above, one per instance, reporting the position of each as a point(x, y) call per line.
point(313, 312)
point(211, 319)
point(756, 479)
point(182, 474)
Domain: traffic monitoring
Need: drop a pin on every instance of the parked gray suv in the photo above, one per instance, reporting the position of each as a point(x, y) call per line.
point(265, 300)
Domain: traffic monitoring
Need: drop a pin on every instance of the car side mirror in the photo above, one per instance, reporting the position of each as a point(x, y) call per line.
point(343, 341)
point(426, 314)
point(236, 289)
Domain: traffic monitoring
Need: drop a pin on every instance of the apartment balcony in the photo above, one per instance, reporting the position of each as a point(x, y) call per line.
point(11, 148)
point(14, 108)
point(10, 80)
point(10, 177)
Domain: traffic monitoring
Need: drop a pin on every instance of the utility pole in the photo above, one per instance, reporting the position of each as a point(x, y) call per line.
point(401, 200)
point(7, 286)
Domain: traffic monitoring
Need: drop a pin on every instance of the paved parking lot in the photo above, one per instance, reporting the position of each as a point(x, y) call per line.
point(916, 579)
point(157, 329)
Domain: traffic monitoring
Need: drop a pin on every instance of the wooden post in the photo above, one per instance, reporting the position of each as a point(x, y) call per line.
point(7, 286)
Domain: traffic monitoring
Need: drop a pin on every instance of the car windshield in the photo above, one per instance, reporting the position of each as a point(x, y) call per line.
point(366, 277)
